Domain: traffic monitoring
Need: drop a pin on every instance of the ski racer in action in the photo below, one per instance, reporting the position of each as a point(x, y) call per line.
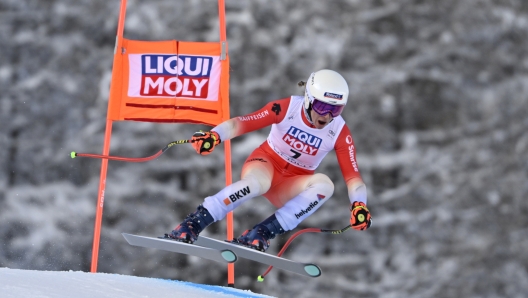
point(303, 130)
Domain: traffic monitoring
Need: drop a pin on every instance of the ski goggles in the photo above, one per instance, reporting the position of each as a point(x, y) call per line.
point(323, 108)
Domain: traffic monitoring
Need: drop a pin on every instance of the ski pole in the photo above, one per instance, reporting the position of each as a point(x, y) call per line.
point(74, 154)
point(308, 230)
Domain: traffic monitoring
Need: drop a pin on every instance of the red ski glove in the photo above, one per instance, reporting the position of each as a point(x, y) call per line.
point(204, 142)
point(360, 218)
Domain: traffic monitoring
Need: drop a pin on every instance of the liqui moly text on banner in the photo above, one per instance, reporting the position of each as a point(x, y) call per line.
point(182, 76)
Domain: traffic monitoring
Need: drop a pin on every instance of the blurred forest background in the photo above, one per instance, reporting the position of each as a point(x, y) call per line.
point(438, 110)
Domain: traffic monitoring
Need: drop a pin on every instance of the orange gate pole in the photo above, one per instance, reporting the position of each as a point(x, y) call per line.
point(227, 144)
point(106, 150)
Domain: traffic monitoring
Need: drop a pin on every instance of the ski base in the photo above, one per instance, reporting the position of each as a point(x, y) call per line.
point(306, 269)
point(223, 252)
point(218, 255)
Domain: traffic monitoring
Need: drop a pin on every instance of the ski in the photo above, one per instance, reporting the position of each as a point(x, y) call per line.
point(222, 255)
point(305, 269)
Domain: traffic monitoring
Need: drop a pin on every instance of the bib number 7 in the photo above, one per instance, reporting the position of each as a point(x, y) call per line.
point(295, 154)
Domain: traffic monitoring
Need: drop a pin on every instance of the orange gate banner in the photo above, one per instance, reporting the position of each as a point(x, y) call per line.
point(170, 81)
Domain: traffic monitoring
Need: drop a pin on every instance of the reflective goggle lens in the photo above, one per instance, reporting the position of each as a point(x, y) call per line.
point(323, 108)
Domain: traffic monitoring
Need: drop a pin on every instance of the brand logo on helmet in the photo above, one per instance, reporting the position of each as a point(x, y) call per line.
point(302, 141)
point(333, 95)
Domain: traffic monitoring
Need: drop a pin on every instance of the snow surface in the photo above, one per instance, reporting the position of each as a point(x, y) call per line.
point(42, 284)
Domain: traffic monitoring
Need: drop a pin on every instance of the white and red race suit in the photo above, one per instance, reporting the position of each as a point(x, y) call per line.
point(282, 169)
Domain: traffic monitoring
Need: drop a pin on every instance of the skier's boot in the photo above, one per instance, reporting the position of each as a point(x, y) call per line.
point(258, 237)
point(192, 225)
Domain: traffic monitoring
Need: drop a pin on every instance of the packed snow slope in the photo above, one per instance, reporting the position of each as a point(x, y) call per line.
point(15, 283)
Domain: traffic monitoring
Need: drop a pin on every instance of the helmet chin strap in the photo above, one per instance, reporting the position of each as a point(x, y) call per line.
point(307, 111)
point(308, 114)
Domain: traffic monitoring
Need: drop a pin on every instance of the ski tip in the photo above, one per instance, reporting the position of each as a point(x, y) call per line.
point(73, 154)
point(260, 278)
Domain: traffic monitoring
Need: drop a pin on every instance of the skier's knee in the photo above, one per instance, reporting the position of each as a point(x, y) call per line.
point(261, 179)
point(321, 180)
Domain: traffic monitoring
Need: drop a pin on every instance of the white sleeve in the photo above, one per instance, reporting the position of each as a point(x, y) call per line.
point(226, 130)
point(358, 192)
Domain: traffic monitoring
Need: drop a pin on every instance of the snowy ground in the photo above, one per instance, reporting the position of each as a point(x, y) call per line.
point(43, 284)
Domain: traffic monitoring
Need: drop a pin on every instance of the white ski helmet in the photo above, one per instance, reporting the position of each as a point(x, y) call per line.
point(328, 87)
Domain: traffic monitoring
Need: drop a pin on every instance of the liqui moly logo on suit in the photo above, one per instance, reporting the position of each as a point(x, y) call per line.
point(184, 76)
point(302, 141)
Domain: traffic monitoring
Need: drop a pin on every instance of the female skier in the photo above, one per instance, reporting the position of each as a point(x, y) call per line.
point(303, 130)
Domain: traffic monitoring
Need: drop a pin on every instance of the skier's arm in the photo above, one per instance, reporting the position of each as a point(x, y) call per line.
point(271, 113)
point(360, 218)
point(346, 156)
point(205, 142)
